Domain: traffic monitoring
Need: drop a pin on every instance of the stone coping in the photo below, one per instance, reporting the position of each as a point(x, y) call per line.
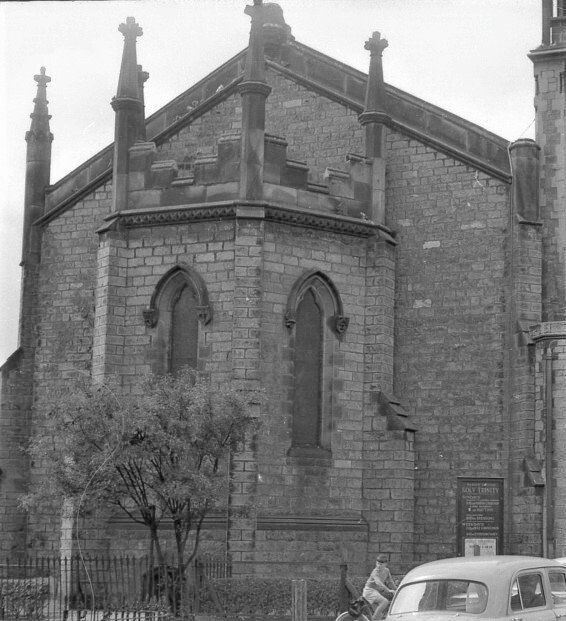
point(409, 114)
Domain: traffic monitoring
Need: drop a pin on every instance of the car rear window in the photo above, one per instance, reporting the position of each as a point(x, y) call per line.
point(443, 595)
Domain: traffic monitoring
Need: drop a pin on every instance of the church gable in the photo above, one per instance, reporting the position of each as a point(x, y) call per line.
point(319, 132)
point(318, 80)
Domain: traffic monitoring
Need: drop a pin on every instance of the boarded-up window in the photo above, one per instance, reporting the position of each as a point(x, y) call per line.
point(184, 332)
point(308, 372)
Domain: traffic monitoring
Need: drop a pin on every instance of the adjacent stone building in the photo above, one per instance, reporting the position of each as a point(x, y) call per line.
point(392, 275)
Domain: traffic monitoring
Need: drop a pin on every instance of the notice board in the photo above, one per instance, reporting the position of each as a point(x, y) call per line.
point(480, 516)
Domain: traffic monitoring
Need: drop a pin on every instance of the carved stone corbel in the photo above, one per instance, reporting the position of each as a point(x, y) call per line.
point(341, 324)
point(204, 314)
point(150, 316)
point(290, 319)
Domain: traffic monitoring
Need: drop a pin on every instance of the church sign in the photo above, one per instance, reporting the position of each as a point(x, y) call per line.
point(480, 516)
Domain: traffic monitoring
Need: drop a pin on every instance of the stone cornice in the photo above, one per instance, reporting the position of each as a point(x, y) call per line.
point(271, 211)
point(548, 330)
point(547, 53)
point(354, 523)
point(301, 522)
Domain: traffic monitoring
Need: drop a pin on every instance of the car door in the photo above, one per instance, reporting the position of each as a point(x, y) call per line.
point(557, 582)
point(530, 599)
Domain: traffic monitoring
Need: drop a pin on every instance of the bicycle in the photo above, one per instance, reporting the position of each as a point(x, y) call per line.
point(358, 610)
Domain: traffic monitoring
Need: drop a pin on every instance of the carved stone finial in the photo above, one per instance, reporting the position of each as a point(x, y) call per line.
point(375, 44)
point(254, 90)
point(375, 114)
point(130, 29)
point(39, 129)
point(128, 82)
point(42, 79)
point(276, 33)
point(143, 76)
point(255, 59)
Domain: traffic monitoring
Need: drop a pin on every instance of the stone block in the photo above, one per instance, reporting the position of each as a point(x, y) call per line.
point(163, 173)
point(206, 171)
point(229, 153)
point(339, 183)
point(295, 174)
point(275, 158)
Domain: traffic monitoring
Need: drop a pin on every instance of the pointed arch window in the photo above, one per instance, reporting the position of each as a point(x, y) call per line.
point(315, 317)
point(307, 409)
point(179, 308)
point(183, 346)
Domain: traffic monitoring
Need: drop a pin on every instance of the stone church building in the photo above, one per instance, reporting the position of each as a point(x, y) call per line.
point(392, 275)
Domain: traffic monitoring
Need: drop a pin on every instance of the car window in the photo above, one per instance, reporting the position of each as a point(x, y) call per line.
point(449, 595)
point(527, 592)
point(557, 580)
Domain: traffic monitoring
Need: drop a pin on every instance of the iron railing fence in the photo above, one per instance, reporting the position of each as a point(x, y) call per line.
point(120, 588)
point(93, 588)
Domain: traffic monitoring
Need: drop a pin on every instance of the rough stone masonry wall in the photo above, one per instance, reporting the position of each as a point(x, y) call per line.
point(309, 487)
point(550, 126)
point(14, 429)
point(526, 425)
point(65, 326)
point(201, 137)
point(451, 223)
point(319, 131)
point(549, 103)
point(148, 254)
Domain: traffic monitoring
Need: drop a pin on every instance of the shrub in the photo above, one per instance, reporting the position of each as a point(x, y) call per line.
point(23, 599)
point(252, 595)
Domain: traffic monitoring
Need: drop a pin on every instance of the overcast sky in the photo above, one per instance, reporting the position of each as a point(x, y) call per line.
point(468, 57)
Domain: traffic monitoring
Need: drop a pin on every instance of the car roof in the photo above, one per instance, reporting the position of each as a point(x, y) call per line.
point(477, 567)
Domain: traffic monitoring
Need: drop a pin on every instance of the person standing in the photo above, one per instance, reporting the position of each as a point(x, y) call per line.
point(380, 587)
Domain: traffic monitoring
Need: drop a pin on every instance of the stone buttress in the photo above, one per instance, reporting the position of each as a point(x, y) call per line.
point(16, 387)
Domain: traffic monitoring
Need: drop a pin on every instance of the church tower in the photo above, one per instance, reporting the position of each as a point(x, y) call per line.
point(549, 61)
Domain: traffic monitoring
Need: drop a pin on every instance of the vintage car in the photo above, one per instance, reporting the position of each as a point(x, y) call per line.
point(514, 588)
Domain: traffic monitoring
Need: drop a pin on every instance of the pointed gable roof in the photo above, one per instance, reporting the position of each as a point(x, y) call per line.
point(320, 73)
